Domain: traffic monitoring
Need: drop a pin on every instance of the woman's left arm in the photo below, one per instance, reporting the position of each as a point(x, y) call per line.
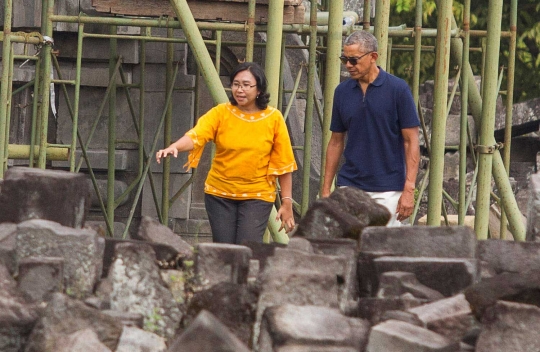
point(285, 212)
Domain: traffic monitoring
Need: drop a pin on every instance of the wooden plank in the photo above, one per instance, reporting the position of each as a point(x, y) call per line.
point(201, 10)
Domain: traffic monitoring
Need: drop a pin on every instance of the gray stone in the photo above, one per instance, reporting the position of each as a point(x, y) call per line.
point(40, 277)
point(96, 49)
point(129, 319)
point(375, 309)
point(98, 159)
point(137, 340)
point(453, 129)
point(533, 209)
point(510, 327)
point(157, 52)
point(81, 250)
point(421, 241)
point(311, 328)
point(180, 208)
point(176, 281)
point(28, 193)
point(300, 244)
point(398, 336)
point(404, 316)
point(396, 283)
point(233, 304)
point(153, 231)
point(80, 341)
point(207, 334)
point(8, 246)
point(137, 287)
point(451, 317)
point(17, 318)
point(446, 275)
point(345, 213)
point(93, 74)
point(64, 316)
point(514, 287)
point(509, 256)
point(220, 262)
point(262, 251)
point(451, 166)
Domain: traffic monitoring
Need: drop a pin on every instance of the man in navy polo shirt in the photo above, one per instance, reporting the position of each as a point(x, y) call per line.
point(375, 126)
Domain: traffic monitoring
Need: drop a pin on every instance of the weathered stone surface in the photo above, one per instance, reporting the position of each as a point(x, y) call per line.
point(64, 316)
point(16, 318)
point(300, 244)
point(421, 241)
point(233, 304)
point(509, 256)
point(396, 283)
point(533, 209)
point(175, 280)
point(84, 340)
point(398, 336)
point(136, 286)
point(446, 275)
point(137, 340)
point(514, 287)
point(8, 244)
point(310, 328)
point(130, 319)
point(28, 193)
point(374, 309)
point(207, 334)
point(40, 277)
point(153, 231)
point(510, 327)
point(345, 213)
point(451, 317)
point(401, 315)
point(81, 249)
point(261, 251)
point(219, 262)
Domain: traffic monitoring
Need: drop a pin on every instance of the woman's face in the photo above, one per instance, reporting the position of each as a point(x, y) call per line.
point(244, 90)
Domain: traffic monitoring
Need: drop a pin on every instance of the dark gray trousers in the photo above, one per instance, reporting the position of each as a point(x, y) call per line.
point(235, 221)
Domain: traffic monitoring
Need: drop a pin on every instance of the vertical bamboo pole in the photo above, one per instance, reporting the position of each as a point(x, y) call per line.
point(382, 20)
point(111, 142)
point(273, 49)
point(250, 42)
point(509, 102)
point(417, 51)
point(332, 75)
point(5, 99)
point(438, 133)
point(167, 133)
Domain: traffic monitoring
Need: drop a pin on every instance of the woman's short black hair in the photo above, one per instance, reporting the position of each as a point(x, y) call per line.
point(262, 84)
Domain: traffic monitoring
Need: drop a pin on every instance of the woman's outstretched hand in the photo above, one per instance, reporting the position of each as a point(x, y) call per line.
point(165, 152)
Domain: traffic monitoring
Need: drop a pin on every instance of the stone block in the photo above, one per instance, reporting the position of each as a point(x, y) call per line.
point(452, 220)
point(8, 246)
point(98, 159)
point(263, 251)
point(153, 231)
point(40, 277)
point(398, 336)
point(128, 319)
point(446, 275)
point(220, 262)
point(137, 340)
point(509, 256)
point(510, 327)
point(95, 49)
point(155, 78)
point(451, 317)
point(204, 334)
point(156, 52)
point(180, 208)
point(453, 129)
point(93, 74)
point(374, 309)
point(233, 304)
point(310, 328)
point(397, 283)
point(79, 341)
point(533, 209)
point(135, 285)
point(28, 193)
point(64, 316)
point(421, 241)
point(81, 250)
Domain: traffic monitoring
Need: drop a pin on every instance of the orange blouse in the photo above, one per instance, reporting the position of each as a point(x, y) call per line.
point(252, 149)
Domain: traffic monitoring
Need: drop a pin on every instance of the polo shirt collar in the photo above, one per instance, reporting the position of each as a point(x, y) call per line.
point(381, 77)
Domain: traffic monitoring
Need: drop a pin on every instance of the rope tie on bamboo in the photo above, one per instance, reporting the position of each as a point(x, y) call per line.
point(488, 149)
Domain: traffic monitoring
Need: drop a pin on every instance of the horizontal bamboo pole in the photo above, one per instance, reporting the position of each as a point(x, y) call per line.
point(16, 151)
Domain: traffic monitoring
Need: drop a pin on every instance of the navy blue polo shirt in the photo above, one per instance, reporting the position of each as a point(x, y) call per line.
point(374, 151)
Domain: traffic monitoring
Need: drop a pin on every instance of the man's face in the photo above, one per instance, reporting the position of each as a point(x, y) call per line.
point(364, 61)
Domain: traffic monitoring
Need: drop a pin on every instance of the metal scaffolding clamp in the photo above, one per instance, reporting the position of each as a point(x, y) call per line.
point(489, 149)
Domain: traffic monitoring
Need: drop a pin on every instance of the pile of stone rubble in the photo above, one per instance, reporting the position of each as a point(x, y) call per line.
point(343, 283)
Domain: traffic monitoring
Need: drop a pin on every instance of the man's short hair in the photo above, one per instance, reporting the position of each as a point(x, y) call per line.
point(364, 39)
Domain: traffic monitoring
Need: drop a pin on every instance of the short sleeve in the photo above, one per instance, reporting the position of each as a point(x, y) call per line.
point(281, 157)
point(203, 132)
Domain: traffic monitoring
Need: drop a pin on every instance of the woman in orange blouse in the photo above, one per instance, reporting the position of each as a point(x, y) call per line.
point(253, 149)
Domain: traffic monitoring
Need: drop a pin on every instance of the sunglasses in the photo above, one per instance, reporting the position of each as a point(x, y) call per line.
point(353, 60)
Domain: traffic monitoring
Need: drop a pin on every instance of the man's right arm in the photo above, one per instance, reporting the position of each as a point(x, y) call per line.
point(333, 154)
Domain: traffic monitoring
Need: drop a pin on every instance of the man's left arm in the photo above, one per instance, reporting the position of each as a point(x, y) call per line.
point(412, 158)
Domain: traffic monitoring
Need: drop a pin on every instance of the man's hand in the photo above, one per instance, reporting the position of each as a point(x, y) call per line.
point(405, 205)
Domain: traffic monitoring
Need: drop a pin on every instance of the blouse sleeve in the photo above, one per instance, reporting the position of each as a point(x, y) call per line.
point(203, 132)
point(281, 158)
